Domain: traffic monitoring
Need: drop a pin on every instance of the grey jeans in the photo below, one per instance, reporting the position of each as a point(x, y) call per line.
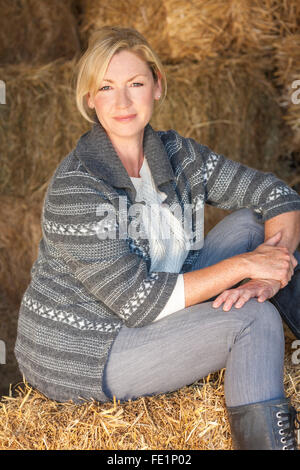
point(187, 345)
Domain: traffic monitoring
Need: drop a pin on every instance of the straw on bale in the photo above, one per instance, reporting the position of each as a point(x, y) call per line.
point(39, 124)
point(9, 371)
point(208, 29)
point(37, 31)
point(20, 233)
point(193, 417)
point(227, 104)
point(149, 18)
point(288, 78)
point(203, 29)
point(287, 16)
point(196, 30)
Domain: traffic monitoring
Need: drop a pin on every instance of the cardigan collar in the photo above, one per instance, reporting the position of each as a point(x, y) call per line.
point(96, 152)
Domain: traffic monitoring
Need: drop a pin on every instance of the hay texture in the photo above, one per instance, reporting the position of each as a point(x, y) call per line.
point(39, 125)
point(287, 16)
point(20, 233)
point(9, 371)
point(225, 104)
point(37, 31)
point(228, 105)
point(192, 418)
point(201, 29)
point(198, 29)
point(149, 18)
point(288, 79)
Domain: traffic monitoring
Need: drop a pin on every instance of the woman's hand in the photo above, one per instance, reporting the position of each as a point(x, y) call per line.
point(263, 289)
point(269, 261)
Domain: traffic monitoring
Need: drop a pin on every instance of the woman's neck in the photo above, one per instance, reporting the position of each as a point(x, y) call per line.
point(131, 154)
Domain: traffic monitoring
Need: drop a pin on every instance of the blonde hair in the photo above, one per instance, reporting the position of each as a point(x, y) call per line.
point(103, 44)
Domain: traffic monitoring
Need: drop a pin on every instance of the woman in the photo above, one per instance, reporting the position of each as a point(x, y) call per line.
point(125, 301)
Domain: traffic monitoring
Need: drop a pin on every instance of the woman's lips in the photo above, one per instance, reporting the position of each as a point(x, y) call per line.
point(125, 118)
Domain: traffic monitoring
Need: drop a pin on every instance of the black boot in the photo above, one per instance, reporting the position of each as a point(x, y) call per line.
point(267, 425)
point(287, 302)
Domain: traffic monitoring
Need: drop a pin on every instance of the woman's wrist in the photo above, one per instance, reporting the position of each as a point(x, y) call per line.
point(244, 262)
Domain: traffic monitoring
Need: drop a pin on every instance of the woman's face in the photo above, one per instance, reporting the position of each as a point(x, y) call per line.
point(125, 97)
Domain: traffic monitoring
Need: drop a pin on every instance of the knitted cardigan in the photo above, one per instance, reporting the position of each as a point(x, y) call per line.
point(84, 288)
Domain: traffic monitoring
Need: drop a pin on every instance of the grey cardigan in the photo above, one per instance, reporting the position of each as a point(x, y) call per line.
point(83, 288)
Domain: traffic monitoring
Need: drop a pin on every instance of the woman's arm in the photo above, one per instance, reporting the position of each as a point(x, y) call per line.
point(267, 261)
point(202, 284)
point(289, 225)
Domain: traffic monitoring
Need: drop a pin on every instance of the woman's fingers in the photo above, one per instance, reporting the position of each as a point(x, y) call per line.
point(294, 261)
point(241, 297)
point(262, 289)
point(230, 297)
point(220, 299)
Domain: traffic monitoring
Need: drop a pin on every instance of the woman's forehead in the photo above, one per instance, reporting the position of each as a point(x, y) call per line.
point(126, 63)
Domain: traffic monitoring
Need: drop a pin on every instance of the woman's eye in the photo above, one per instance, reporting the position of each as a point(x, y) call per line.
point(106, 87)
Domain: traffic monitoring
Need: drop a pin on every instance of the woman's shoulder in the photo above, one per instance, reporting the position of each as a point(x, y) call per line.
point(175, 142)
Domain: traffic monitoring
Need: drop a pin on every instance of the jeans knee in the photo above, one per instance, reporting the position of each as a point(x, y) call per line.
point(244, 218)
point(265, 315)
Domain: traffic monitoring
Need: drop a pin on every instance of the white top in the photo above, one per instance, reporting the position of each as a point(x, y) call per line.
point(169, 244)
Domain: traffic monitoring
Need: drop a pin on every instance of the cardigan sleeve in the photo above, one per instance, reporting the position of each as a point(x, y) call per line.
point(232, 185)
point(108, 268)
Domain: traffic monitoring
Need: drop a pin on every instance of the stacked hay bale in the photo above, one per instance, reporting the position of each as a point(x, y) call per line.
point(37, 31)
point(39, 43)
point(218, 57)
point(39, 124)
point(288, 79)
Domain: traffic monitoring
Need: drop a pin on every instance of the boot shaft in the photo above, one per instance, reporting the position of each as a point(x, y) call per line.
point(268, 425)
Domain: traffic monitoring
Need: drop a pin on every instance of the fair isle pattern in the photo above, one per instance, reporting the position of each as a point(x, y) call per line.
point(75, 321)
point(71, 229)
point(210, 165)
point(138, 299)
point(279, 192)
point(84, 288)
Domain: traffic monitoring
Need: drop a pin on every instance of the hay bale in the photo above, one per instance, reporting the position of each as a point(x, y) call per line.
point(139, 14)
point(37, 31)
point(287, 16)
point(39, 124)
point(201, 29)
point(225, 104)
point(196, 30)
point(10, 373)
point(192, 418)
point(228, 105)
point(286, 74)
point(20, 233)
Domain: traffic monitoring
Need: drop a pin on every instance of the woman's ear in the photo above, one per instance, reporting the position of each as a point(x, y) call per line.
point(90, 101)
point(158, 84)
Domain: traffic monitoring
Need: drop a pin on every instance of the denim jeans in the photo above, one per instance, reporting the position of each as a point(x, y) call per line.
point(189, 344)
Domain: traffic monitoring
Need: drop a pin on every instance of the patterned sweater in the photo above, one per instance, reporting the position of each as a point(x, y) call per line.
point(84, 286)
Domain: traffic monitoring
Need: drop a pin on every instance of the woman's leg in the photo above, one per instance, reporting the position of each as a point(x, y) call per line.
point(187, 345)
point(237, 233)
point(198, 340)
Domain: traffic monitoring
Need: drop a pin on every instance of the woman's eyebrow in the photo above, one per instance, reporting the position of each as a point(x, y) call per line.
point(138, 75)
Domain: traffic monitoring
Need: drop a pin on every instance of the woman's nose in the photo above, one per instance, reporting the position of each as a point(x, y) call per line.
point(123, 98)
